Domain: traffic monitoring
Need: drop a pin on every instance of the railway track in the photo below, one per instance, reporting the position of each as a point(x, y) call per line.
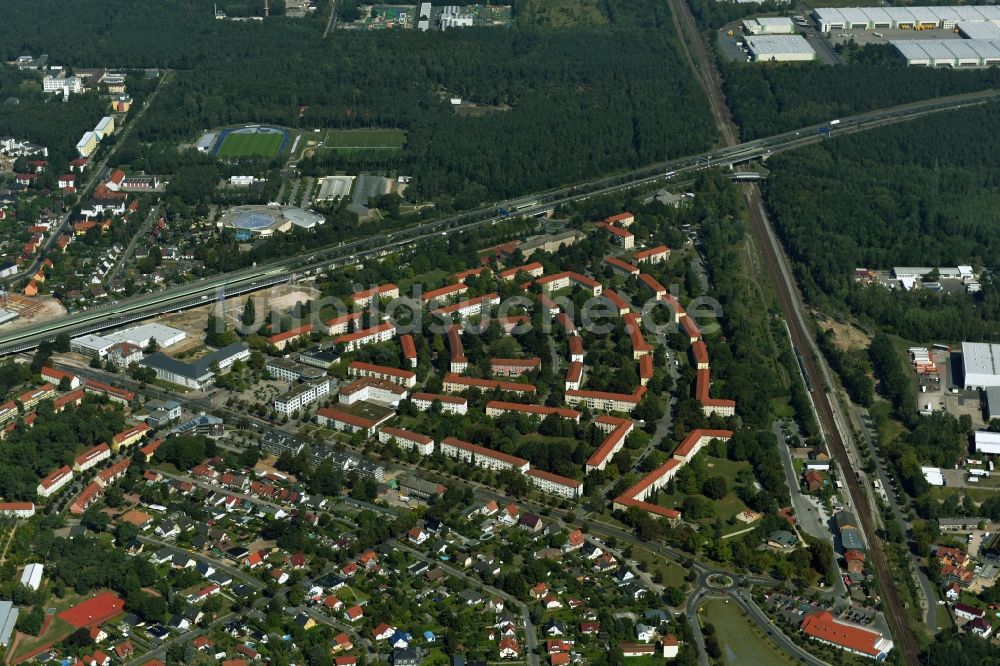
point(784, 286)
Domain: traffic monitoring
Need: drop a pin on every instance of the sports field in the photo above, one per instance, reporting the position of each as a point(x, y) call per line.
point(378, 139)
point(257, 144)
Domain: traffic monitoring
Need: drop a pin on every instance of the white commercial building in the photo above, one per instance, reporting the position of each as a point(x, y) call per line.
point(987, 442)
point(981, 362)
point(875, 18)
point(780, 48)
point(302, 395)
point(954, 53)
point(64, 84)
point(31, 578)
point(774, 25)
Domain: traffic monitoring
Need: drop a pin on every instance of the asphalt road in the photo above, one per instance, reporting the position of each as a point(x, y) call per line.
point(191, 295)
point(217, 564)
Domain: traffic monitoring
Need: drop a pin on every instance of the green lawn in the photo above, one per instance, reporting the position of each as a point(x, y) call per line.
point(741, 641)
point(251, 145)
point(671, 575)
point(387, 139)
point(725, 508)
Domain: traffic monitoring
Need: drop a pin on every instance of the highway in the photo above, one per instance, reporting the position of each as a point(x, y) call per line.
point(255, 278)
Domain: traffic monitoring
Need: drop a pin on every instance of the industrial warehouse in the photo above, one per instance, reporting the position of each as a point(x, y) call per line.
point(780, 48)
point(903, 18)
point(949, 52)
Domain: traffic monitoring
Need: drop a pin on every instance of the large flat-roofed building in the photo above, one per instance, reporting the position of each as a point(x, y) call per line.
point(987, 442)
point(302, 395)
point(981, 363)
point(8, 618)
point(875, 18)
point(954, 53)
point(780, 48)
point(195, 374)
point(771, 25)
point(991, 410)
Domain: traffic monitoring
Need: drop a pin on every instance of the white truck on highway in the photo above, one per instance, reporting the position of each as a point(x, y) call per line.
point(835, 122)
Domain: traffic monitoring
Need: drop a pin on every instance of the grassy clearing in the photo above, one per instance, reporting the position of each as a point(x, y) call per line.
point(251, 145)
point(725, 508)
point(741, 641)
point(671, 575)
point(381, 139)
point(561, 13)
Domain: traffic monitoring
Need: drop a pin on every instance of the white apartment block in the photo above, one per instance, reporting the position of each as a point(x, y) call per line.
point(368, 296)
point(372, 389)
point(302, 395)
point(382, 333)
point(406, 378)
point(481, 456)
point(96, 455)
point(450, 404)
point(407, 440)
point(55, 481)
point(555, 484)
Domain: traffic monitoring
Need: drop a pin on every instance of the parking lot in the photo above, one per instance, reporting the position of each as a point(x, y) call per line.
point(870, 37)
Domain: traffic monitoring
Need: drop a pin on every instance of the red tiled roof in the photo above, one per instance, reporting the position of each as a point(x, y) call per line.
point(402, 433)
point(623, 265)
point(824, 626)
point(487, 384)
point(483, 451)
point(374, 291)
point(290, 334)
point(431, 397)
point(554, 478)
point(539, 410)
point(381, 369)
point(365, 332)
point(409, 348)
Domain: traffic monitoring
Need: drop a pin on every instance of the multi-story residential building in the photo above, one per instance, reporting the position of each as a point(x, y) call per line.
point(459, 363)
point(469, 307)
point(368, 296)
point(605, 401)
point(31, 398)
point(622, 267)
point(302, 395)
point(407, 440)
point(558, 281)
point(514, 367)
point(409, 349)
point(17, 509)
point(448, 292)
point(290, 371)
point(534, 269)
point(617, 430)
point(450, 404)
point(281, 340)
point(623, 238)
point(124, 354)
point(481, 456)
point(653, 255)
point(652, 285)
point(342, 324)
point(381, 333)
point(129, 436)
point(55, 481)
point(497, 408)
point(710, 405)
point(574, 376)
point(372, 389)
point(90, 458)
point(548, 482)
point(406, 378)
point(55, 377)
point(335, 418)
point(456, 384)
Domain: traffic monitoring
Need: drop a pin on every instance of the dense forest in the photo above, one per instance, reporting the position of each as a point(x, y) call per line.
point(924, 193)
point(768, 100)
point(581, 100)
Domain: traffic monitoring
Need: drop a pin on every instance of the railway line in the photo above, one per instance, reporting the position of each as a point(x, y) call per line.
point(784, 285)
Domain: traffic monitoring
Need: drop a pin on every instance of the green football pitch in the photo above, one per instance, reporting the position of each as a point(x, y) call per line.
point(251, 145)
